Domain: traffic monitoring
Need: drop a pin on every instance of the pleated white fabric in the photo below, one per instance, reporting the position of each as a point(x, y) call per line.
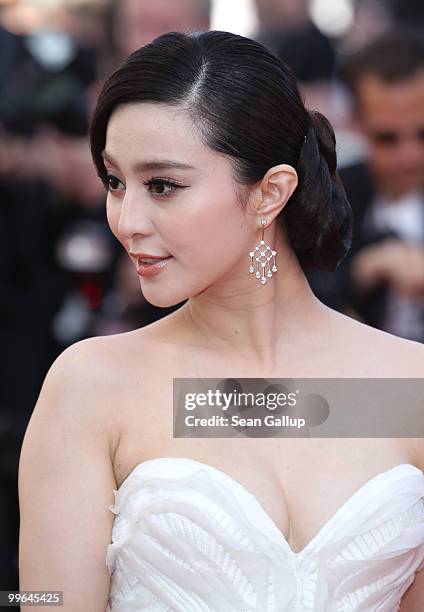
point(188, 537)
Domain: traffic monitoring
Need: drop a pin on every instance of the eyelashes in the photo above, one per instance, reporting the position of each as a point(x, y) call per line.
point(112, 184)
point(108, 180)
point(159, 182)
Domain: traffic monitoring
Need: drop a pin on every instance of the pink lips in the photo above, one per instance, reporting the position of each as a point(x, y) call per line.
point(151, 269)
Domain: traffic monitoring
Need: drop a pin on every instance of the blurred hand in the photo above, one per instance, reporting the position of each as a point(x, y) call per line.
point(393, 262)
point(65, 162)
point(16, 160)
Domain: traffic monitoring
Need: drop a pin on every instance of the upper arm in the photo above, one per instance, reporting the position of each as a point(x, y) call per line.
point(413, 599)
point(66, 483)
point(415, 359)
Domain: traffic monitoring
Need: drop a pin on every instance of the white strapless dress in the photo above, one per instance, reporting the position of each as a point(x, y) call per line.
point(188, 537)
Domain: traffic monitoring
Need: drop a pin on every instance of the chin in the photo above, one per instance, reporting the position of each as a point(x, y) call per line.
point(163, 301)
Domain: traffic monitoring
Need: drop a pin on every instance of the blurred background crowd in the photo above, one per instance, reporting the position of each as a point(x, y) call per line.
point(63, 276)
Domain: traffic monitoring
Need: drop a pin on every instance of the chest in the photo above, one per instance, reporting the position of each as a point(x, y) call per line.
point(299, 483)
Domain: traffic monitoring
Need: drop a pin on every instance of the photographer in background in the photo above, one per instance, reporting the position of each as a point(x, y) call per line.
point(381, 280)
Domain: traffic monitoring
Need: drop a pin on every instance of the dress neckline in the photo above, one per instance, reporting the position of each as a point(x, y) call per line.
point(250, 497)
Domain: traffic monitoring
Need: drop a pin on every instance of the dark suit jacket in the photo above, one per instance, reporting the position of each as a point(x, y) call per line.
point(336, 289)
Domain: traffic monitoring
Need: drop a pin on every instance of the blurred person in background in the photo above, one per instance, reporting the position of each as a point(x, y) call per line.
point(89, 23)
point(285, 27)
point(12, 52)
point(17, 308)
point(381, 281)
point(371, 19)
point(137, 22)
point(46, 180)
point(61, 279)
point(408, 13)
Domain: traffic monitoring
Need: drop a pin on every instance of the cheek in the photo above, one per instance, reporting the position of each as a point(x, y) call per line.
point(112, 216)
point(384, 159)
point(209, 234)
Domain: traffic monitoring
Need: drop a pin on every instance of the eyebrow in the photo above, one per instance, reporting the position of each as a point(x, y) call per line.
point(153, 164)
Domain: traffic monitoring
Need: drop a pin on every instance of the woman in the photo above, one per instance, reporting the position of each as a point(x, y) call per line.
point(204, 145)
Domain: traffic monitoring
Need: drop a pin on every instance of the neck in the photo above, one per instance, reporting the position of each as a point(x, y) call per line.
point(260, 323)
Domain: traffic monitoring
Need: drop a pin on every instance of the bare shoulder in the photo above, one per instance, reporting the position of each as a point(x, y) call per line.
point(109, 367)
point(101, 361)
point(381, 353)
point(87, 381)
point(66, 472)
point(376, 353)
point(88, 364)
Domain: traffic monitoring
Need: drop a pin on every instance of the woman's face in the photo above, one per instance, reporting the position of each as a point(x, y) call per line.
point(191, 214)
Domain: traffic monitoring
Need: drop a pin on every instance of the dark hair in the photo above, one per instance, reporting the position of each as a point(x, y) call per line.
point(246, 104)
point(392, 57)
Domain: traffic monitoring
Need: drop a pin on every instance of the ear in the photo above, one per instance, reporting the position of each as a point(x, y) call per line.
point(274, 191)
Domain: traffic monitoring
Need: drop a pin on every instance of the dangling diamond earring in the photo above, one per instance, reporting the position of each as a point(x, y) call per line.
point(262, 258)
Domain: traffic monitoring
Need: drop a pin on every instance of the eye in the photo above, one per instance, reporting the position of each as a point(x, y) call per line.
point(386, 138)
point(112, 183)
point(161, 183)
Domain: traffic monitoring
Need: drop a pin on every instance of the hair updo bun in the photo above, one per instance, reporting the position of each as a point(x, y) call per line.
point(318, 217)
point(245, 104)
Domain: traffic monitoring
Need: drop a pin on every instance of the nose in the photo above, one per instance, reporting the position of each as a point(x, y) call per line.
point(134, 215)
point(411, 153)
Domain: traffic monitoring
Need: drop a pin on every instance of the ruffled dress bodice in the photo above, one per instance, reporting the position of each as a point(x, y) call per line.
point(187, 537)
